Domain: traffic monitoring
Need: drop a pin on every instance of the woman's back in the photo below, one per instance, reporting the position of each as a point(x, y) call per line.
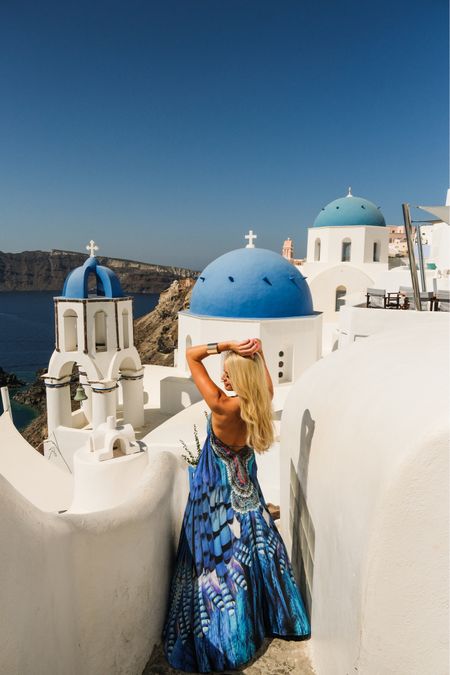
point(229, 426)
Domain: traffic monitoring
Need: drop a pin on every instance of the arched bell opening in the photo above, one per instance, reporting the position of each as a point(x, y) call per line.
point(67, 398)
point(100, 331)
point(70, 323)
point(126, 329)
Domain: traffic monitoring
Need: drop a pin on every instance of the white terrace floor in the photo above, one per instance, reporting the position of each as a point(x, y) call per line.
point(276, 657)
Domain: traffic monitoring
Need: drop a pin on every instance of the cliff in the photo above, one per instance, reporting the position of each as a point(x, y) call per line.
point(155, 337)
point(47, 271)
point(155, 334)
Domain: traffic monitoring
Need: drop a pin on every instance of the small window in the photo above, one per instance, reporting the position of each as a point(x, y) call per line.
point(280, 364)
point(341, 292)
point(346, 250)
point(280, 375)
point(280, 354)
point(317, 250)
point(376, 251)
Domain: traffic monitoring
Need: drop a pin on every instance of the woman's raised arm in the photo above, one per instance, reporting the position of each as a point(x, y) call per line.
point(213, 395)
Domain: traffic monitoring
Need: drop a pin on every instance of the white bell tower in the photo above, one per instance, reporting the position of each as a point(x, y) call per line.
point(94, 332)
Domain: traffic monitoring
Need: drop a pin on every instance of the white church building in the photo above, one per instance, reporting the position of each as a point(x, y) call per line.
point(348, 248)
point(359, 467)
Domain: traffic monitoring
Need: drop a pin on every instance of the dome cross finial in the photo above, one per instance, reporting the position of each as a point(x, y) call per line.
point(250, 236)
point(92, 247)
point(349, 192)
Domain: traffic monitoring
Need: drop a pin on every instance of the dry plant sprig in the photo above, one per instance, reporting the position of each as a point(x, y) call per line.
point(189, 457)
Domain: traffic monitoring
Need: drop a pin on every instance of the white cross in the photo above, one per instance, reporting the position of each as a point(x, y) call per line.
point(92, 246)
point(250, 236)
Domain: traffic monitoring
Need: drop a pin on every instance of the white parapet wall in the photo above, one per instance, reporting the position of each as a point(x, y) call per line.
point(364, 502)
point(86, 594)
point(360, 322)
point(41, 482)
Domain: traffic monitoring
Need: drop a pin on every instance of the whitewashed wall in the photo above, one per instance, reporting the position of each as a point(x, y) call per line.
point(86, 594)
point(364, 478)
point(362, 239)
point(323, 287)
point(303, 334)
point(360, 322)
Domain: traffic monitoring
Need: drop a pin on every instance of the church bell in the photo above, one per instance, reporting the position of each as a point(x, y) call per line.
point(80, 394)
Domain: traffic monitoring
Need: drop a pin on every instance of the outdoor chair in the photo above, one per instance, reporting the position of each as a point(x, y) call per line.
point(376, 297)
point(426, 300)
point(393, 300)
point(442, 301)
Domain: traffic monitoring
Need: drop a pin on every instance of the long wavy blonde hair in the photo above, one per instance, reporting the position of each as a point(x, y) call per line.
point(248, 379)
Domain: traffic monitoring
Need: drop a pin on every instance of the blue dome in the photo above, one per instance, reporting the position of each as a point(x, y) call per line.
point(251, 283)
point(107, 284)
point(349, 210)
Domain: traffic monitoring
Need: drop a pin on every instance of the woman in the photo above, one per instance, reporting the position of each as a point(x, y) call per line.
point(233, 582)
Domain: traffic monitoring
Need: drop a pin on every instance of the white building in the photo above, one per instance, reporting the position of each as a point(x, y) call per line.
point(348, 247)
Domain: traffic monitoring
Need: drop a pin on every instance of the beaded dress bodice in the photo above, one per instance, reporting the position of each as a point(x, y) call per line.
point(244, 495)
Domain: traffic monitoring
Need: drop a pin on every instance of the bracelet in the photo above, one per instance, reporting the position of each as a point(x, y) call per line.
point(212, 348)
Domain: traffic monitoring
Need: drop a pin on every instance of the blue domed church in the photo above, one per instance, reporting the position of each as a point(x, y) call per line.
point(94, 346)
point(254, 292)
point(348, 247)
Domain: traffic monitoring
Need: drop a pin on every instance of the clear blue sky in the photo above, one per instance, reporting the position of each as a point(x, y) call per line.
point(164, 130)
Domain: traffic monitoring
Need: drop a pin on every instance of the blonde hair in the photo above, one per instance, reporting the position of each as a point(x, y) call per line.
point(248, 379)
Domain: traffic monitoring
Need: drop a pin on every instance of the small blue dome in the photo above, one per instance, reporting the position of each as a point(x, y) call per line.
point(251, 283)
point(107, 284)
point(349, 210)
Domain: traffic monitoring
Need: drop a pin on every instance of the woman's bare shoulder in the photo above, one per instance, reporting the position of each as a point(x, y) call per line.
point(229, 405)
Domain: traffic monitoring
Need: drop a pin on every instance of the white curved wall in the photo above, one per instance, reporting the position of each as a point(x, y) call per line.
point(41, 482)
point(364, 441)
point(86, 593)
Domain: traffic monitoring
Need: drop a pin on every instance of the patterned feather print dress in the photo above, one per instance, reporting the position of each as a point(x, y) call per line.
point(233, 583)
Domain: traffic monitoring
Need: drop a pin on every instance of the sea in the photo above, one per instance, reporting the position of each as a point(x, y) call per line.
point(27, 337)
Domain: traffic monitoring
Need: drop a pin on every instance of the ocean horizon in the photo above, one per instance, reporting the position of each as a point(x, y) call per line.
point(27, 336)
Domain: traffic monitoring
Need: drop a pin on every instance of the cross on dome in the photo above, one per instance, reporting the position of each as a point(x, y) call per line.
point(92, 247)
point(250, 236)
point(349, 192)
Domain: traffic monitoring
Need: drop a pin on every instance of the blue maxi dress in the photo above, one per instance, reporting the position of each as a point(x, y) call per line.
point(233, 583)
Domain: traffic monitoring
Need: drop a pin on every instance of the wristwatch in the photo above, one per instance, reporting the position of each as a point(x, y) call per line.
point(212, 348)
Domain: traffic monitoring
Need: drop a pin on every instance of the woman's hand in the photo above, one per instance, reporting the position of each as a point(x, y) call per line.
point(246, 347)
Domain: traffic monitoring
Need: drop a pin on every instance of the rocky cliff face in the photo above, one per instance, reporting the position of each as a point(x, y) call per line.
point(155, 337)
point(47, 271)
point(155, 334)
